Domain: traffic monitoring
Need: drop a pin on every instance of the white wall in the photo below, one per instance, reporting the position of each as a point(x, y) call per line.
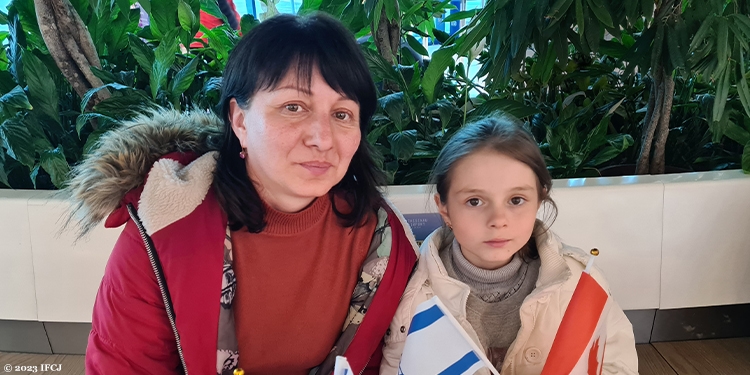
point(666, 242)
point(17, 287)
point(706, 250)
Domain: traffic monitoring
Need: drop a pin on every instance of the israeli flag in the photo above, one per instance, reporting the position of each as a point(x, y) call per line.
point(438, 345)
point(342, 367)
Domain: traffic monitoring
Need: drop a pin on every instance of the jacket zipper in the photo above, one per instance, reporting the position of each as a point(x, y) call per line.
point(159, 279)
point(366, 363)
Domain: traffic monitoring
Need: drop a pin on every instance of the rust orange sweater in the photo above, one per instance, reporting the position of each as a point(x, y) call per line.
point(294, 285)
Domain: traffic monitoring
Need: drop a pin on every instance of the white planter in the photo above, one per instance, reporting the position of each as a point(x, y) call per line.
point(666, 242)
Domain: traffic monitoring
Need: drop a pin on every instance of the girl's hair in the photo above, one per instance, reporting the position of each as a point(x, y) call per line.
point(262, 59)
point(506, 136)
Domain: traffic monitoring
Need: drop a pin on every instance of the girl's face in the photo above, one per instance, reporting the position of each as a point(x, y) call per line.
point(491, 205)
point(299, 143)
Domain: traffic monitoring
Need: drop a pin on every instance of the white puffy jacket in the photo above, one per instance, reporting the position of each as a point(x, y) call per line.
point(541, 311)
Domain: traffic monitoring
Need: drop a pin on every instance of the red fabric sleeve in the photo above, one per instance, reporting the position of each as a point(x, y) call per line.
point(130, 331)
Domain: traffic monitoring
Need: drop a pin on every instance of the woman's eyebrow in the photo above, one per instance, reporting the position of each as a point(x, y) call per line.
point(305, 91)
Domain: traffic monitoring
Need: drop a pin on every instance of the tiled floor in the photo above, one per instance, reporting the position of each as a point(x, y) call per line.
point(710, 357)
point(715, 357)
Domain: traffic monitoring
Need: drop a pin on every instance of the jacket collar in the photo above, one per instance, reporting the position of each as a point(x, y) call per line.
point(100, 184)
point(454, 293)
point(172, 190)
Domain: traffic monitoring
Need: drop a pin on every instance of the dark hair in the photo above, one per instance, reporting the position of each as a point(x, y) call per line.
point(261, 60)
point(506, 136)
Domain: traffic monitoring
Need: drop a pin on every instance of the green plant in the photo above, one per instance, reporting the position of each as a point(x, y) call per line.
point(651, 36)
point(584, 94)
point(46, 126)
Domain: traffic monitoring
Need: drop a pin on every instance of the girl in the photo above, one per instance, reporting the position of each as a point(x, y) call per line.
point(502, 274)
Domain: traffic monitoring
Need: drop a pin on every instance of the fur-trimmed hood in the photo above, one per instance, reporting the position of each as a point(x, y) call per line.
point(124, 156)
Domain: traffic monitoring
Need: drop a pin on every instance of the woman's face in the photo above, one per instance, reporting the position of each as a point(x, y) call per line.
point(299, 144)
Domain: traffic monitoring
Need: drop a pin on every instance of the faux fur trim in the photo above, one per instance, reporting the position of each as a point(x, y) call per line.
point(124, 156)
point(173, 191)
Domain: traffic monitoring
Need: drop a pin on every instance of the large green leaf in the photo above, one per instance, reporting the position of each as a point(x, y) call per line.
point(183, 79)
point(743, 90)
point(3, 174)
point(53, 161)
point(84, 118)
point(475, 33)
point(746, 158)
point(38, 138)
point(124, 6)
point(518, 36)
point(186, 16)
point(445, 110)
point(511, 107)
point(460, 15)
point(393, 106)
point(90, 94)
point(16, 41)
point(499, 33)
point(742, 22)
point(104, 75)
point(375, 133)
point(124, 107)
point(164, 57)
point(722, 92)
point(414, 44)
point(702, 33)
point(580, 20)
point(15, 138)
point(594, 32)
point(308, 6)
point(16, 99)
point(212, 7)
point(559, 9)
point(617, 145)
point(247, 23)
point(434, 72)
point(632, 10)
point(163, 17)
point(736, 133)
point(116, 31)
point(542, 68)
point(143, 54)
point(42, 89)
point(390, 9)
point(676, 54)
point(597, 137)
point(722, 45)
point(403, 144)
point(601, 12)
point(647, 7)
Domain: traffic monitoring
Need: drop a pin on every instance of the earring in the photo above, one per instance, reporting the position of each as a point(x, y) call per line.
point(449, 226)
point(242, 154)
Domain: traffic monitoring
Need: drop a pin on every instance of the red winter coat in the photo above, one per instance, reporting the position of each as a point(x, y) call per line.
point(176, 208)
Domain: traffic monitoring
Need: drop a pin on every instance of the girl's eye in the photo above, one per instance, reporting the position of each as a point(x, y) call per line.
point(474, 202)
point(292, 107)
point(517, 201)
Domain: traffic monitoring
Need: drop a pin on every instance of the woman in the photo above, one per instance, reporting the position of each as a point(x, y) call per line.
point(272, 252)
